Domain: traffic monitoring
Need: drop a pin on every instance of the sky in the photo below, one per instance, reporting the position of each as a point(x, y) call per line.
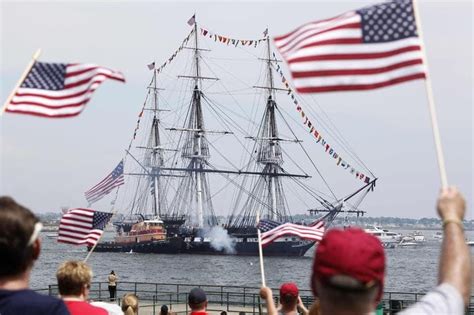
point(46, 164)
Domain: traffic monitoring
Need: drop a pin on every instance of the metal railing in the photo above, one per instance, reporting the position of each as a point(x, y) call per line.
point(234, 299)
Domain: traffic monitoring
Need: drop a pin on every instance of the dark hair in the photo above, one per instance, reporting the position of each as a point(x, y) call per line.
point(288, 299)
point(164, 310)
point(17, 224)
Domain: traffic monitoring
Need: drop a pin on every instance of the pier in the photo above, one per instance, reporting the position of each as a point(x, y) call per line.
point(232, 299)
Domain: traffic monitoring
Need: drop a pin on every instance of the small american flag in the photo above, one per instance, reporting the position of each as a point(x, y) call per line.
point(364, 49)
point(82, 226)
point(112, 180)
point(273, 230)
point(57, 90)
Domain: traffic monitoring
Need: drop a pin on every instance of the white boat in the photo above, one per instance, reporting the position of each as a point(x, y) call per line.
point(417, 236)
point(52, 235)
point(469, 243)
point(438, 236)
point(408, 241)
point(385, 236)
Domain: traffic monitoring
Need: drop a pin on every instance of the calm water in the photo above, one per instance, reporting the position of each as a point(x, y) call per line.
point(409, 269)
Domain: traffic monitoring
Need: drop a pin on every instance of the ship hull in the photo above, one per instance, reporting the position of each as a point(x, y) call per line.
point(169, 246)
point(284, 248)
point(179, 246)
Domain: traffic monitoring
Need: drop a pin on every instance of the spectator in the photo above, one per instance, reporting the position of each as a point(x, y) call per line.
point(197, 301)
point(290, 300)
point(20, 247)
point(130, 304)
point(74, 283)
point(349, 267)
point(112, 285)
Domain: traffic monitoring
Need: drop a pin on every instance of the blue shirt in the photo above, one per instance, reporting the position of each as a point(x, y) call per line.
point(28, 302)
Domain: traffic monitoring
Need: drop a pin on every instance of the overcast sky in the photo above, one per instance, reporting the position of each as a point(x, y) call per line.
point(46, 164)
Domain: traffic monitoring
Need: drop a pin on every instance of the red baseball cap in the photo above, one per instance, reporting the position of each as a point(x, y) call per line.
point(289, 288)
point(350, 252)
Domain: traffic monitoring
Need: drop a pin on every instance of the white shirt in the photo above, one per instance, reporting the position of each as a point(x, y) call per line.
point(444, 299)
point(112, 309)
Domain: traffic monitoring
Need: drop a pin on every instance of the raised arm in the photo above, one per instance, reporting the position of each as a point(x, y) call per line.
point(302, 309)
point(267, 295)
point(455, 261)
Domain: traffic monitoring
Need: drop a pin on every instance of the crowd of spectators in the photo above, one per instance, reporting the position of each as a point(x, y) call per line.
point(347, 275)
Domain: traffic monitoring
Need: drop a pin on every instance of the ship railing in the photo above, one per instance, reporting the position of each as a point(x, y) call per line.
point(232, 299)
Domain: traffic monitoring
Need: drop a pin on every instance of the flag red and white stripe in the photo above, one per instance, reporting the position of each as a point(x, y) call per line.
point(78, 82)
point(358, 50)
point(312, 233)
point(82, 226)
point(105, 186)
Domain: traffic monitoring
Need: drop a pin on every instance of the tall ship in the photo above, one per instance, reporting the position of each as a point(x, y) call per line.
point(174, 184)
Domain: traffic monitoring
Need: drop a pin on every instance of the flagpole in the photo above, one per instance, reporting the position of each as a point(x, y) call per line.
point(22, 78)
point(431, 104)
point(260, 251)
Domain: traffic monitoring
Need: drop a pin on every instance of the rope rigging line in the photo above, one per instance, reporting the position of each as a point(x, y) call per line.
point(307, 154)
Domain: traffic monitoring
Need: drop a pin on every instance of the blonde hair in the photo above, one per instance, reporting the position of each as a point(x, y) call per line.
point(130, 304)
point(72, 276)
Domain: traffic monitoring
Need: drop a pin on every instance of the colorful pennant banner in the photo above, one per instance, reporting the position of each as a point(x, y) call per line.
point(167, 62)
point(317, 135)
point(232, 41)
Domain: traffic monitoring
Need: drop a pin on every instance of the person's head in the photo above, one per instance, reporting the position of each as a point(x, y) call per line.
point(74, 279)
point(348, 271)
point(223, 313)
point(164, 310)
point(197, 299)
point(289, 295)
point(130, 304)
point(19, 242)
point(112, 273)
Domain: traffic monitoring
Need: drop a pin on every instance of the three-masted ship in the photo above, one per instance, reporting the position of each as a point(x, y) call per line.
point(188, 223)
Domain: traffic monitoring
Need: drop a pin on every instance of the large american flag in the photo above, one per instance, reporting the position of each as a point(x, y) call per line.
point(81, 226)
point(364, 49)
point(114, 179)
point(58, 90)
point(272, 230)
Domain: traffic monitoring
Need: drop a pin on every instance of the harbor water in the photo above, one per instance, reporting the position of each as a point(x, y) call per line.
point(409, 269)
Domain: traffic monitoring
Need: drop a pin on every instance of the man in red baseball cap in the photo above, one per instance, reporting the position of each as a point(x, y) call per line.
point(290, 301)
point(349, 268)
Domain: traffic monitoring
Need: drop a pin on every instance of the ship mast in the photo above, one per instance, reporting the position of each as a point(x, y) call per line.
point(157, 152)
point(199, 159)
point(196, 148)
point(269, 154)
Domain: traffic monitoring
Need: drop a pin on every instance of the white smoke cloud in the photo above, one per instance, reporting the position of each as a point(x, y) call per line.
point(220, 239)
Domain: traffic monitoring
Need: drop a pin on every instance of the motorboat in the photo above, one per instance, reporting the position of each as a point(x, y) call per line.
point(438, 236)
point(385, 236)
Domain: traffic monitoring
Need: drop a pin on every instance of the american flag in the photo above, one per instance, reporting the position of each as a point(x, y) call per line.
point(112, 180)
point(364, 49)
point(82, 226)
point(59, 90)
point(271, 230)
